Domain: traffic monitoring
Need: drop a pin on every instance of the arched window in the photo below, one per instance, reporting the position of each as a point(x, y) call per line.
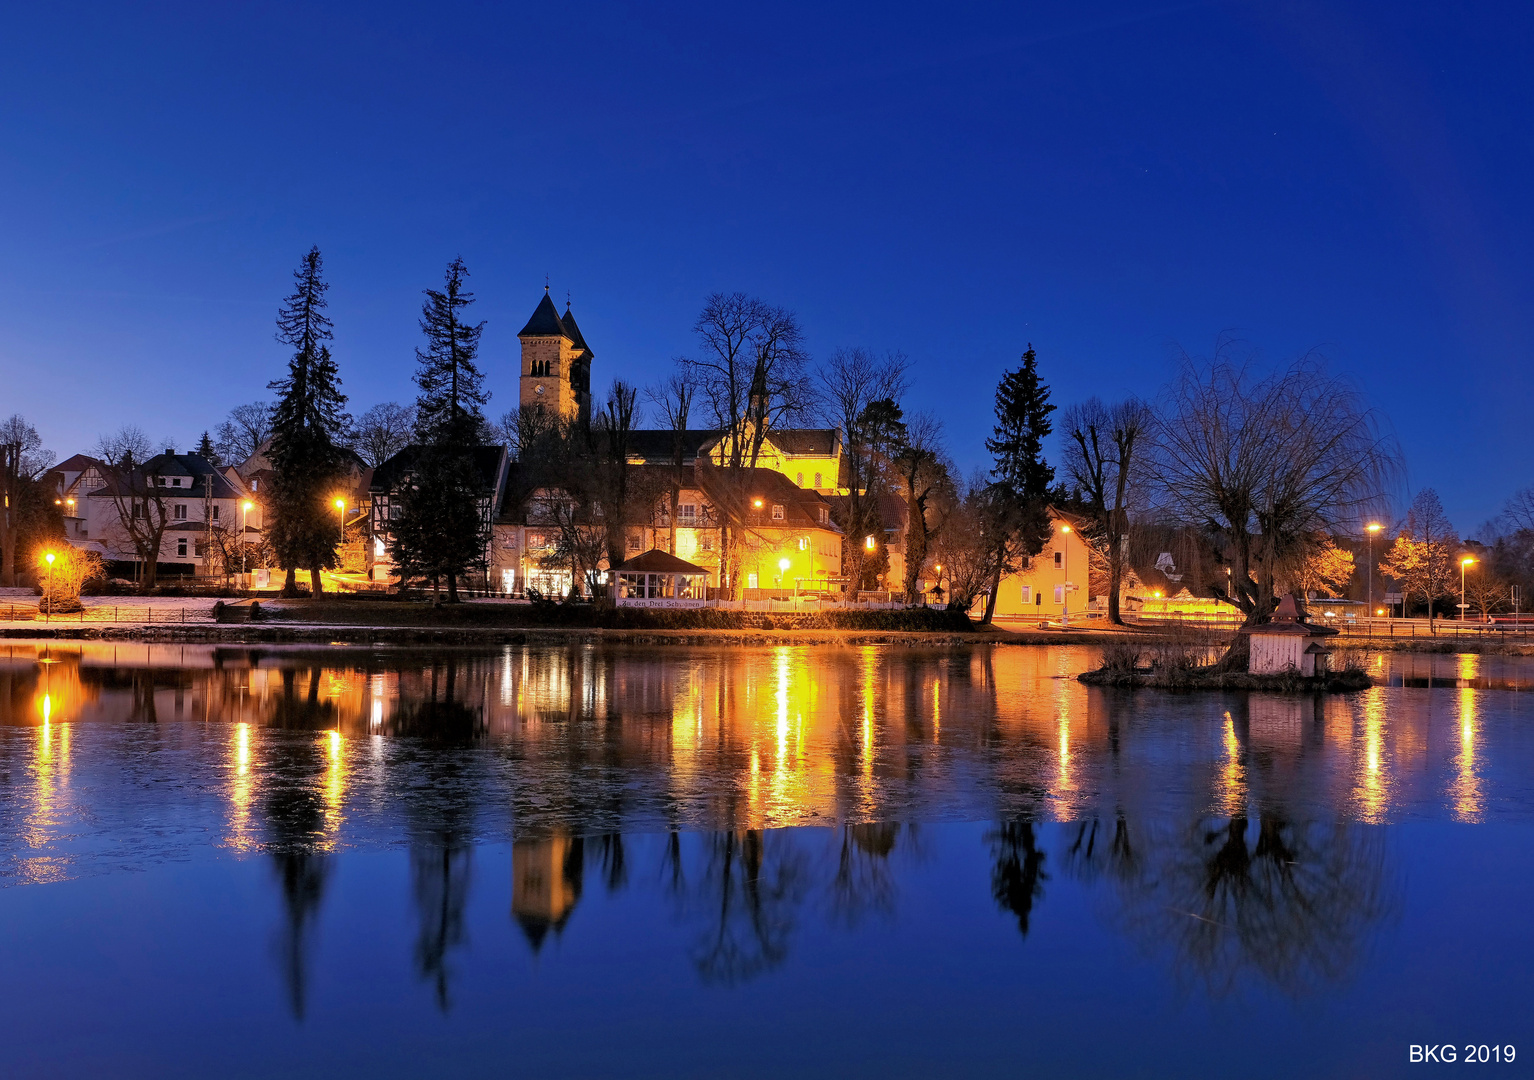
point(799, 479)
point(818, 484)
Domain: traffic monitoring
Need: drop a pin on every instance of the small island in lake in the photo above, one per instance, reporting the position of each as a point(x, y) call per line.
point(1286, 654)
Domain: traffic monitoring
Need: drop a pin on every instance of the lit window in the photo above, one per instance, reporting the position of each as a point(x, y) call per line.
point(687, 513)
point(708, 543)
point(869, 543)
point(804, 543)
point(777, 512)
point(1027, 594)
point(1059, 594)
point(254, 484)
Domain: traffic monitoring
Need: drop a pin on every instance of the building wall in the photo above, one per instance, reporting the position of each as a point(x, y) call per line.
point(1034, 591)
point(558, 396)
point(1274, 653)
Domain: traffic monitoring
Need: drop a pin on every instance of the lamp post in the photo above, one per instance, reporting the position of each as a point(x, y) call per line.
point(1370, 529)
point(48, 617)
point(244, 540)
point(1464, 608)
point(1065, 584)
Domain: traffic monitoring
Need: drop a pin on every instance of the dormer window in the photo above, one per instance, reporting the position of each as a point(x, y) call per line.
point(824, 515)
point(175, 481)
point(777, 512)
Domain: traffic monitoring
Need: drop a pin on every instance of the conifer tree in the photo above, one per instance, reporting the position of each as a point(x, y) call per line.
point(206, 450)
point(1021, 478)
point(308, 422)
point(441, 531)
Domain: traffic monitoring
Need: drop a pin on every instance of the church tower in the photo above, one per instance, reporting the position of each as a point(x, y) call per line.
point(556, 363)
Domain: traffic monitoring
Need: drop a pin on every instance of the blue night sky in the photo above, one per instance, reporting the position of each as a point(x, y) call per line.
point(1110, 181)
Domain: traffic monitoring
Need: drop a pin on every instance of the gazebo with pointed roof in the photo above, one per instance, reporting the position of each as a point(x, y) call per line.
point(659, 579)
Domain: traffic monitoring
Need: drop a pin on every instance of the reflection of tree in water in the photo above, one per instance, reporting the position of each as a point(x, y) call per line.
point(294, 819)
point(1017, 869)
point(437, 714)
point(751, 884)
point(1292, 903)
point(301, 713)
point(441, 869)
point(863, 882)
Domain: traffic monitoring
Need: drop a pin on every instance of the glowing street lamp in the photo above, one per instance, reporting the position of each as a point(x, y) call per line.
point(1464, 608)
point(245, 508)
point(1372, 528)
point(783, 565)
point(48, 558)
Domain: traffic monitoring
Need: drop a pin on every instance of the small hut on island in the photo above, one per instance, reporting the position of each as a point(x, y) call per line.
point(1289, 643)
point(658, 579)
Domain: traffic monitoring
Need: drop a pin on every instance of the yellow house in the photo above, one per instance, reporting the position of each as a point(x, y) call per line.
point(1055, 581)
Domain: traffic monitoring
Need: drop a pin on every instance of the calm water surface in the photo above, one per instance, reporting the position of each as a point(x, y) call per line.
point(586, 861)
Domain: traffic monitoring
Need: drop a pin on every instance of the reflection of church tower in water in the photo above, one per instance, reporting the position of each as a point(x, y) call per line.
point(556, 363)
point(545, 884)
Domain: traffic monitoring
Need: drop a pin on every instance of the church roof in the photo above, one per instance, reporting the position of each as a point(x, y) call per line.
point(545, 321)
point(572, 331)
point(819, 442)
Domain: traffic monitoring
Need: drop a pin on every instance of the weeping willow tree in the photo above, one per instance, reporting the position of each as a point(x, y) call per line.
point(1266, 463)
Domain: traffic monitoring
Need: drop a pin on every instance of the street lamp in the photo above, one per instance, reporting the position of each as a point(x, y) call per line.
point(1372, 528)
point(783, 565)
point(1065, 584)
point(48, 617)
point(245, 508)
point(1464, 608)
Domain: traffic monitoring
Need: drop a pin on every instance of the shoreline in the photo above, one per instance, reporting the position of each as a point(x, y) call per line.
point(418, 634)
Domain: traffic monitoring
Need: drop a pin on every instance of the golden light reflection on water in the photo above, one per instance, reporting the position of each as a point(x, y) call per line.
point(1372, 780)
point(239, 836)
point(1233, 791)
point(335, 784)
point(1465, 789)
point(765, 736)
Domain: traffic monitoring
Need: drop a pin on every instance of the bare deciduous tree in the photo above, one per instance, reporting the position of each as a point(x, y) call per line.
point(1104, 450)
point(851, 383)
point(1425, 558)
point(672, 398)
point(750, 371)
point(241, 435)
point(927, 485)
point(383, 431)
point(139, 501)
point(1266, 462)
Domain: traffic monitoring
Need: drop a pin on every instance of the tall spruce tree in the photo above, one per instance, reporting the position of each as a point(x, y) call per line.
point(441, 532)
point(307, 426)
point(1021, 478)
point(207, 451)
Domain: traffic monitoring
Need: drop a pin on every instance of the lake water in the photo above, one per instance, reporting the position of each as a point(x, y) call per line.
point(756, 862)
